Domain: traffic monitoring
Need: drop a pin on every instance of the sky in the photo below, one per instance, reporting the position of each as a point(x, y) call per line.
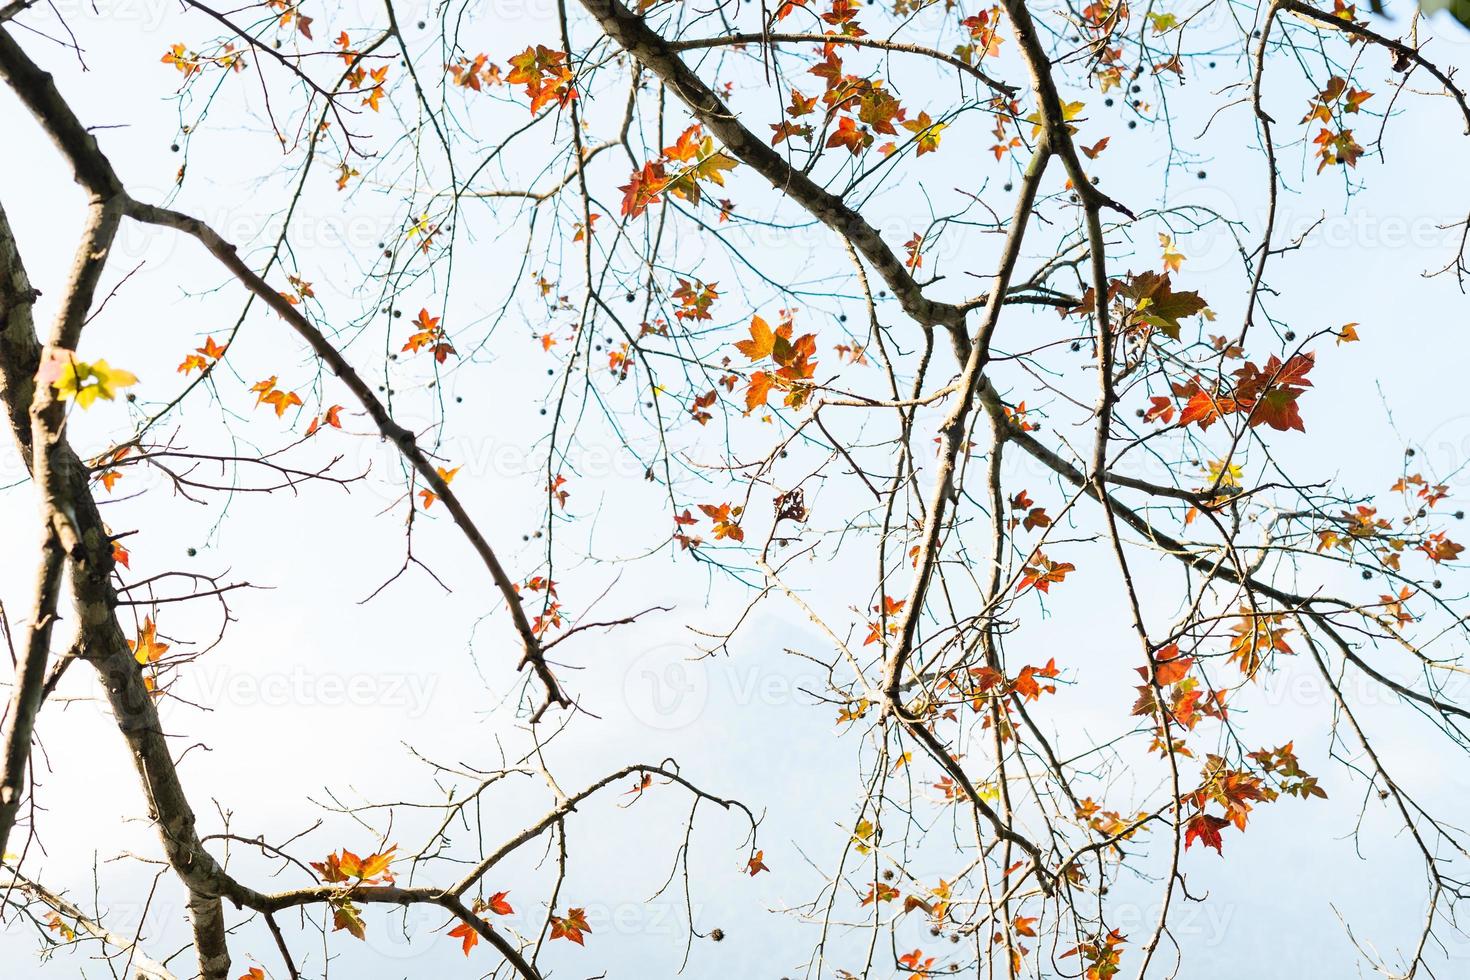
point(318, 697)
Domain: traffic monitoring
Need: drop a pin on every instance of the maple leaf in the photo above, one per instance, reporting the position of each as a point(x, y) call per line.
point(793, 360)
point(1440, 548)
point(875, 635)
point(268, 394)
point(1336, 148)
point(183, 59)
point(376, 865)
point(1278, 410)
point(57, 924)
point(725, 518)
point(695, 298)
point(1205, 828)
point(472, 74)
point(375, 96)
point(1041, 573)
point(1160, 410)
point(700, 404)
point(346, 915)
point(120, 554)
point(333, 417)
point(254, 973)
point(1321, 102)
point(643, 188)
point(1156, 304)
point(1271, 392)
point(192, 362)
point(1026, 684)
point(756, 864)
point(549, 619)
point(545, 75)
point(879, 892)
point(710, 166)
point(761, 343)
point(926, 132)
point(146, 648)
point(1070, 111)
point(350, 864)
point(342, 866)
point(282, 400)
point(554, 488)
point(467, 934)
point(425, 322)
point(538, 583)
point(1257, 635)
point(890, 606)
point(917, 963)
point(1235, 790)
point(81, 381)
point(429, 495)
point(801, 105)
point(1169, 666)
point(916, 257)
point(786, 129)
point(571, 927)
point(984, 31)
point(497, 904)
point(1224, 473)
point(1204, 408)
point(429, 334)
point(848, 134)
point(1102, 954)
point(759, 390)
point(686, 147)
point(1173, 258)
point(640, 786)
point(581, 232)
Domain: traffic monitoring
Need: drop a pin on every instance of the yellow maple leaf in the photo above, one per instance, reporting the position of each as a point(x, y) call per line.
point(1070, 111)
point(1225, 474)
point(88, 382)
point(146, 648)
point(1173, 258)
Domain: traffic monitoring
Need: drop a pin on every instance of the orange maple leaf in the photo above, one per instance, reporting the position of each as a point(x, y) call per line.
point(572, 926)
point(468, 936)
point(146, 648)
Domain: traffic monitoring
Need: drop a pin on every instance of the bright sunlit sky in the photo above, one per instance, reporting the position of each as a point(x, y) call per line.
point(315, 699)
